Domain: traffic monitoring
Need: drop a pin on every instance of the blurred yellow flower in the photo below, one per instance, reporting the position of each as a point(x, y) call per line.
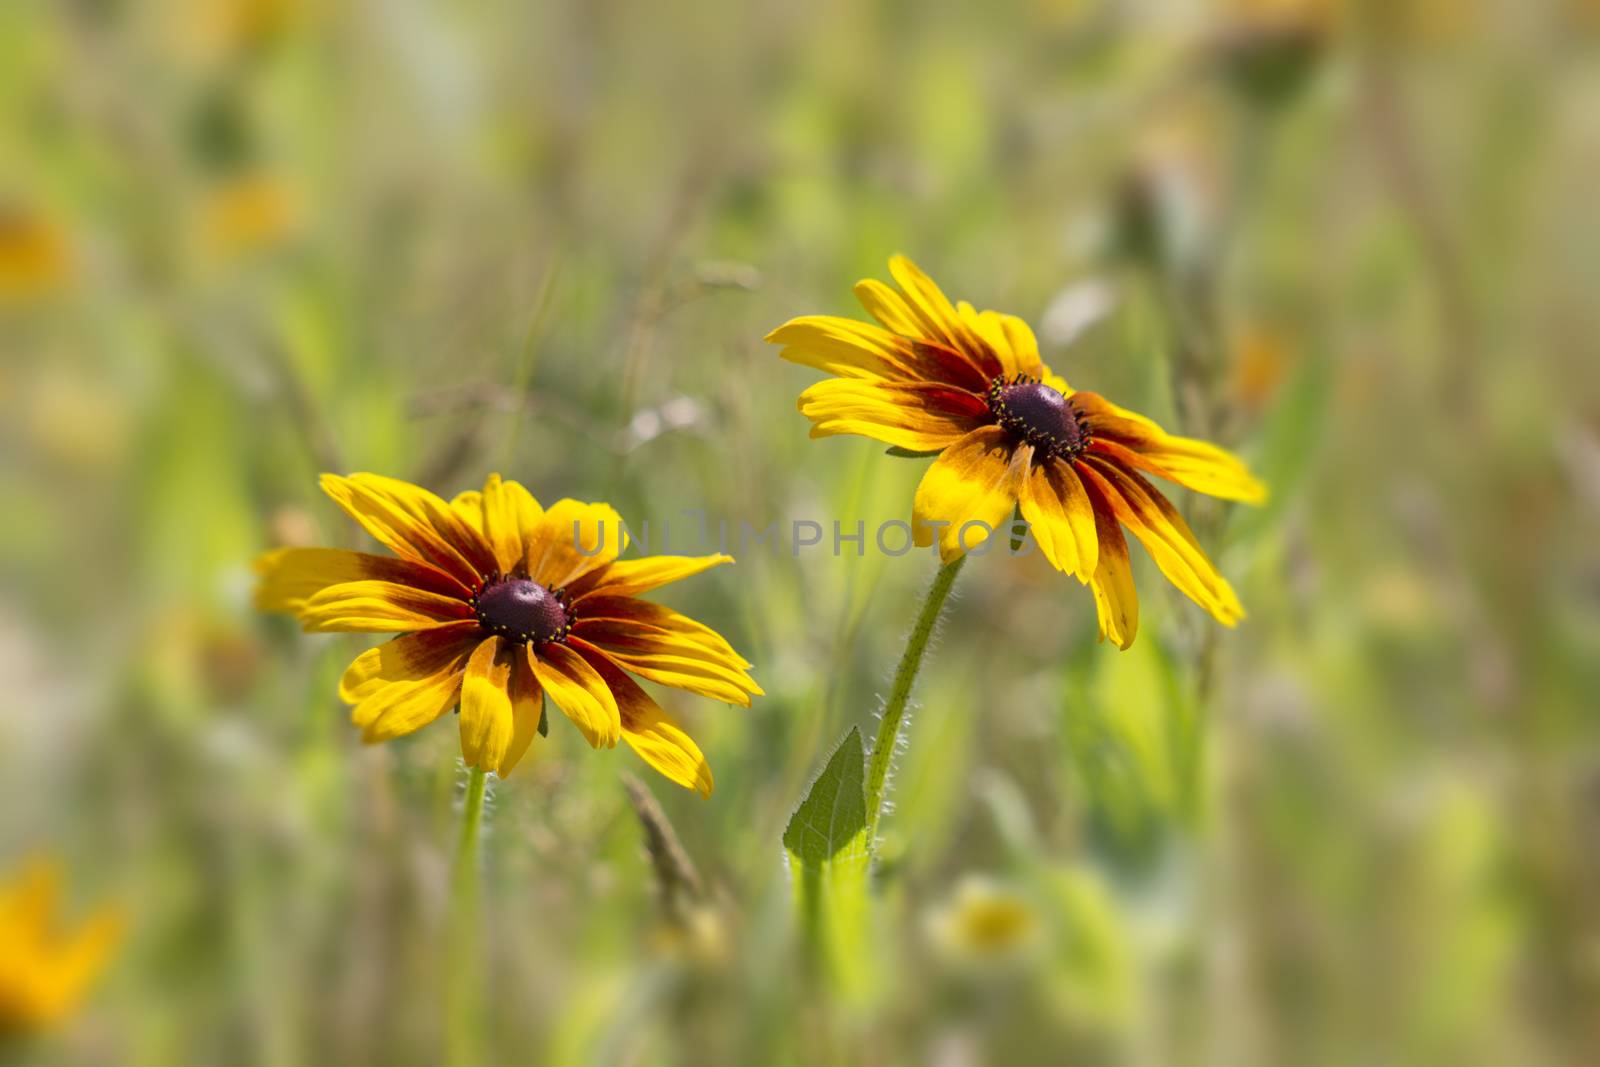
point(223, 27)
point(248, 213)
point(1261, 358)
point(968, 386)
point(46, 970)
point(35, 256)
point(984, 922)
point(500, 602)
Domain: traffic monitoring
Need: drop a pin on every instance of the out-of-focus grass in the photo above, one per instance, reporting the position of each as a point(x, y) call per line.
point(242, 243)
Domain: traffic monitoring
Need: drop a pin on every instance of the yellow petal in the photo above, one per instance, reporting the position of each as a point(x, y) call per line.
point(1164, 534)
point(572, 539)
point(682, 668)
point(677, 646)
point(468, 506)
point(379, 607)
point(579, 692)
point(290, 576)
point(399, 709)
point(652, 733)
point(414, 523)
point(926, 303)
point(1008, 337)
point(890, 308)
point(527, 708)
point(412, 657)
point(45, 968)
point(1060, 517)
point(510, 514)
point(844, 347)
point(1136, 441)
point(971, 489)
point(487, 725)
point(617, 614)
point(940, 319)
point(918, 416)
point(633, 576)
point(1116, 602)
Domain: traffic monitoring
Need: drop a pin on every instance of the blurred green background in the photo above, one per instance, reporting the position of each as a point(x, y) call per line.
point(246, 241)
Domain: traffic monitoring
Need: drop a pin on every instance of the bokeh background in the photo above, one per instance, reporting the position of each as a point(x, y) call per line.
point(246, 241)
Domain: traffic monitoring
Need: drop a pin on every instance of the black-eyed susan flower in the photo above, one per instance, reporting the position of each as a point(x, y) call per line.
point(46, 967)
point(968, 386)
point(501, 602)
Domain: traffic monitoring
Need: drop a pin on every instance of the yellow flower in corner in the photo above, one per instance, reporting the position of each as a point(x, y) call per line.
point(502, 602)
point(968, 385)
point(45, 969)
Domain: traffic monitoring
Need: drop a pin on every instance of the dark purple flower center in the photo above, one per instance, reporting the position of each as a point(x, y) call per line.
point(1039, 415)
point(522, 610)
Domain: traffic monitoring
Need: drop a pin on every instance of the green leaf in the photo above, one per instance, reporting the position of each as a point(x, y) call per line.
point(831, 860)
point(830, 824)
point(906, 453)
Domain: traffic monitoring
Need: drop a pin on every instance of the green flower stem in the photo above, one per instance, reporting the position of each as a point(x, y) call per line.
point(464, 994)
point(905, 676)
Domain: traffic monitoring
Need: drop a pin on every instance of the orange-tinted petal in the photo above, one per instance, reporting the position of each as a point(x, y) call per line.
point(629, 577)
point(572, 539)
point(527, 708)
point(664, 659)
point(940, 321)
point(650, 731)
point(1135, 441)
point(1060, 517)
point(918, 416)
point(290, 576)
point(414, 523)
point(970, 489)
point(378, 607)
point(579, 692)
point(1164, 534)
point(651, 637)
point(617, 613)
point(1116, 602)
point(411, 657)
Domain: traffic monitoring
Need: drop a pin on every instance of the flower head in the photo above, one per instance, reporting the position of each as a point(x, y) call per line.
point(968, 386)
point(501, 602)
point(45, 969)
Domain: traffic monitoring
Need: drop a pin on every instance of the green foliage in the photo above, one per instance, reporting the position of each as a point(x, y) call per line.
point(830, 862)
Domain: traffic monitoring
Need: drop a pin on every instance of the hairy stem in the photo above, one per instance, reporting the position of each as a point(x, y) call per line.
point(905, 676)
point(464, 992)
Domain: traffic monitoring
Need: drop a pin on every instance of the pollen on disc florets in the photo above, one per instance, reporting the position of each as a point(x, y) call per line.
point(522, 610)
point(1039, 415)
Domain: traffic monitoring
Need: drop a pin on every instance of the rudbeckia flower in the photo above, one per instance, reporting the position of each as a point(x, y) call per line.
point(968, 386)
point(45, 968)
point(501, 602)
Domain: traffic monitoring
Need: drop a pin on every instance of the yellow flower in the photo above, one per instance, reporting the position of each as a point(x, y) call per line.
point(35, 256)
point(501, 602)
point(247, 214)
point(985, 922)
point(969, 386)
point(45, 970)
